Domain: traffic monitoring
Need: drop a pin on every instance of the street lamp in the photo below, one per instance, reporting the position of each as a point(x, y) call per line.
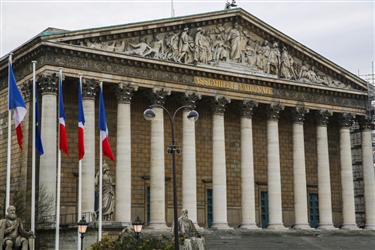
point(137, 227)
point(82, 227)
point(149, 114)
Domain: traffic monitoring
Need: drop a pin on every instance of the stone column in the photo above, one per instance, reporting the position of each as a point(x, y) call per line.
point(299, 170)
point(157, 168)
point(189, 171)
point(47, 165)
point(368, 173)
point(89, 87)
point(348, 205)
point(324, 179)
point(247, 167)
point(273, 169)
point(219, 175)
point(124, 93)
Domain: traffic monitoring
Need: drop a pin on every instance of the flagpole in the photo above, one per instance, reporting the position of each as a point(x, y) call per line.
point(33, 154)
point(79, 184)
point(7, 195)
point(57, 233)
point(100, 180)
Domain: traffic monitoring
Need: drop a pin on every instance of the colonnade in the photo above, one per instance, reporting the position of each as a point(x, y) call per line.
point(219, 184)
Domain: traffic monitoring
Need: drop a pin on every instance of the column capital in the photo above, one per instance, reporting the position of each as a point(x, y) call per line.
point(248, 108)
point(299, 114)
point(366, 122)
point(346, 120)
point(89, 88)
point(323, 117)
point(27, 90)
point(274, 111)
point(190, 99)
point(124, 92)
point(48, 83)
point(219, 104)
point(159, 95)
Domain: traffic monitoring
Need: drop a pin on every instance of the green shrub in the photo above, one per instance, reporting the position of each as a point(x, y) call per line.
point(128, 240)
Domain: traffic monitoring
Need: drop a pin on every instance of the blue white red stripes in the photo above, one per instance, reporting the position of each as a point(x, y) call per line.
point(107, 151)
point(17, 104)
point(63, 139)
point(81, 124)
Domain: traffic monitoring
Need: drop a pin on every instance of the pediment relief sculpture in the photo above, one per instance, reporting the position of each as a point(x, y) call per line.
point(227, 45)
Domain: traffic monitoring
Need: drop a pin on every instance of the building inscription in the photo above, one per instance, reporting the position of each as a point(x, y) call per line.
point(242, 87)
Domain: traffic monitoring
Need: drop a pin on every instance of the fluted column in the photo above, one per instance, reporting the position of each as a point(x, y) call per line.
point(368, 173)
point(247, 167)
point(273, 169)
point(219, 175)
point(124, 93)
point(324, 179)
point(189, 171)
point(299, 170)
point(89, 87)
point(47, 165)
point(157, 170)
point(347, 185)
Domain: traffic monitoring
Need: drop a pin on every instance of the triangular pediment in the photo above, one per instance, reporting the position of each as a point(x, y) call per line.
point(231, 40)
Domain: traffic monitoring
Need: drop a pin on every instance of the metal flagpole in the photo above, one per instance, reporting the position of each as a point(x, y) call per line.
point(57, 230)
point(100, 179)
point(79, 185)
point(7, 195)
point(172, 9)
point(33, 154)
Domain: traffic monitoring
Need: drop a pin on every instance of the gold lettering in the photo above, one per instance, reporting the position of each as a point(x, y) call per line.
point(216, 83)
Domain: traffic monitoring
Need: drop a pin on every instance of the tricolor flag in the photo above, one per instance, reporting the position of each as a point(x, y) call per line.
point(17, 104)
point(38, 138)
point(63, 140)
point(81, 124)
point(107, 151)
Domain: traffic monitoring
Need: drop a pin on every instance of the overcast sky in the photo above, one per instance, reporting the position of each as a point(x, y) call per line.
point(342, 31)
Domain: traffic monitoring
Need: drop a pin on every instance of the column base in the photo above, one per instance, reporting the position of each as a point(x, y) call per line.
point(350, 227)
point(158, 226)
point(277, 227)
point(370, 227)
point(221, 226)
point(327, 227)
point(249, 226)
point(302, 227)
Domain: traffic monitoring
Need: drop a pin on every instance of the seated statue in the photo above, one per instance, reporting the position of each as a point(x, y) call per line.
point(190, 239)
point(12, 233)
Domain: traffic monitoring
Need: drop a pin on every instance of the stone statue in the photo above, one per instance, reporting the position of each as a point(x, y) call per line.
point(12, 233)
point(248, 55)
point(190, 239)
point(202, 51)
point(157, 50)
point(183, 46)
point(108, 193)
point(274, 60)
point(262, 54)
point(140, 49)
point(172, 45)
point(234, 38)
point(220, 50)
point(286, 65)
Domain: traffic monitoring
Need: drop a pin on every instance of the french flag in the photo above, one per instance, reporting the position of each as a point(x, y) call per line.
point(17, 104)
point(63, 139)
point(81, 124)
point(107, 151)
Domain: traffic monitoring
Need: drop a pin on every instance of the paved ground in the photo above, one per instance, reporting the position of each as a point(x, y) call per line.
point(241, 240)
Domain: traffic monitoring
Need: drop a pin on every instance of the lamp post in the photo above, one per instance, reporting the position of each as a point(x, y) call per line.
point(82, 227)
point(137, 227)
point(193, 115)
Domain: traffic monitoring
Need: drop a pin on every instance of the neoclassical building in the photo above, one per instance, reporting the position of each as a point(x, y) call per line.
point(270, 149)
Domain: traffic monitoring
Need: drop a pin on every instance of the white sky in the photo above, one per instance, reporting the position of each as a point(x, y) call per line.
point(342, 31)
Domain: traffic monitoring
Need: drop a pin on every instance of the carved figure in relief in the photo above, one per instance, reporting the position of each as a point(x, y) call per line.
point(12, 233)
point(94, 44)
point(108, 202)
point(172, 46)
point(274, 60)
point(262, 54)
point(140, 49)
point(202, 51)
point(157, 50)
point(286, 65)
point(234, 38)
point(183, 46)
point(248, 55)
point(220, 50)
point(120, 46)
